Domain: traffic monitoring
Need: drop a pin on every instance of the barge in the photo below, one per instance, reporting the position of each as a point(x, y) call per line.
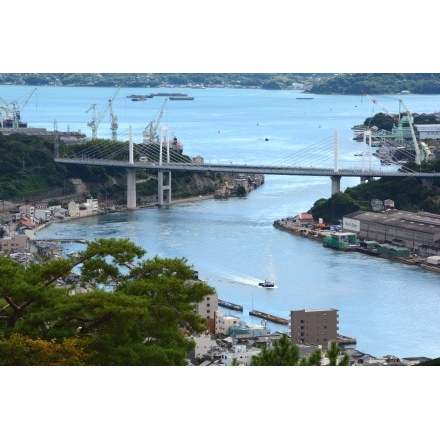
point(269, 317)
point(229, 305)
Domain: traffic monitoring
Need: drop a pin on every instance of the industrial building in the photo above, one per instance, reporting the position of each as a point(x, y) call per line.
point(417, 231)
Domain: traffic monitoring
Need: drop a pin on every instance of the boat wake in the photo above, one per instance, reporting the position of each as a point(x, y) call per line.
point(239, 280)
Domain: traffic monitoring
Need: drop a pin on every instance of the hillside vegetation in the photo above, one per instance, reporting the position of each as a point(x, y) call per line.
point(407, 193)
point(377, 83)
point(245, 80)
point(28, 172)
point(319, 83)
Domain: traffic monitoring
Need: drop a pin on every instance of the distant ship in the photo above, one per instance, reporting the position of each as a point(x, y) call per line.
point(139, 97)
point(181, 98)
point(171, 95)
point(167, 94)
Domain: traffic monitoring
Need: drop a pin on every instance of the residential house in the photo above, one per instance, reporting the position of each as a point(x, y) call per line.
point(14, 243)
point(223, 323)
point(27, 210)
point(90, 207)
point(224, 192)
point(73, 209)
point(25, 222)
point(199, 160)
point(240, 354)
point(14, 216)
point(205, 345)
point(42, 214)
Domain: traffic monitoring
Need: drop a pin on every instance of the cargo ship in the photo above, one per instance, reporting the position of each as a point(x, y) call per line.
point(181, 98)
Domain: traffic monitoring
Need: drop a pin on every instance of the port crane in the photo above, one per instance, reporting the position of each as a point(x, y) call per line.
point(113, 121)
point(150, 133)
point(423, 152)
point(404, 120)
point(6, 110)
point(97, 118)
point(385, 110)
point(13, 111)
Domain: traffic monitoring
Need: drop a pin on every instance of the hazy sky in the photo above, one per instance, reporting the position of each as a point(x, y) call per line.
point(227, 36)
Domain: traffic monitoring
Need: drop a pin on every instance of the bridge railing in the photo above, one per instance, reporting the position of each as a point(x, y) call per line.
point(320, 156)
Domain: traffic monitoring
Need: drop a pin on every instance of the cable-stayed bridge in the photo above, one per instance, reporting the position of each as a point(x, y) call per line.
point(328, 157)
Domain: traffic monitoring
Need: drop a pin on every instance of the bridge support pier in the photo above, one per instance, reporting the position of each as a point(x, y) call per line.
point(426, 182)
point(163, 189)
point(336, 184)
point(365, 179)
point(131, 188)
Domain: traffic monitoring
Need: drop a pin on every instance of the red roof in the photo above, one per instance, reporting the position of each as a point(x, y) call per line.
point(305, 216)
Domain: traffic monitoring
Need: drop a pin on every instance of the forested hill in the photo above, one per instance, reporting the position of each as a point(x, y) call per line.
point(271, 81)
point(378, 83)
point(319, 83)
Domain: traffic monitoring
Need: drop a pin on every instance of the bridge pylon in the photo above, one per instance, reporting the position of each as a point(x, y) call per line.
point(336, 184)
point(131, 176)
point(164, 191)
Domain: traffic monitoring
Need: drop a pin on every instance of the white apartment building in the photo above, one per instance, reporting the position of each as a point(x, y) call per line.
point(240, 354)
point(43, 215)
point(204, 345)
point(73, 208)
point(27, 210)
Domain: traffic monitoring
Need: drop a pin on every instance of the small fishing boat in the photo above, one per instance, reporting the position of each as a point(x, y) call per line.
point(267, 283)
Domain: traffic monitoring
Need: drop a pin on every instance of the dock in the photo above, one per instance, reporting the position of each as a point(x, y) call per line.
point(64, 240)
point(229, 305)
point(268, 317)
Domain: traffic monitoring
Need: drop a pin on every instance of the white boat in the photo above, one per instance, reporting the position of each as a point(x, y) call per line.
point(267, 283)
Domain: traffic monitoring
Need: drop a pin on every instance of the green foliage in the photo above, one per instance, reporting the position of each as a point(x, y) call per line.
point(28, 172)
point(241, 191)
point(262, 80)
point(333, 209)
point(283, 354)
point(378, 83)
point(139, 322)
point(20, 350)
point(28, 169)
point(320, 83)
point(408, 194)
point(333, 352)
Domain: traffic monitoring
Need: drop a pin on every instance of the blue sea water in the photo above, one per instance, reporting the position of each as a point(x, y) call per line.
point(388, 307)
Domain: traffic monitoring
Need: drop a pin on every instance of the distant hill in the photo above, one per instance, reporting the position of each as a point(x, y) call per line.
point(319, 83)
point(276, 81)
point(378, 83)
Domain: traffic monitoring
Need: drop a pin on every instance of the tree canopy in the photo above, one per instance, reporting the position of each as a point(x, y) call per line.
point(283, 353)
point(140, 320)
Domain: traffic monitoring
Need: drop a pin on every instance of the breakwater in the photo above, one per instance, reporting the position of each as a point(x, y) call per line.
point(269, 317)
point(229, 305)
